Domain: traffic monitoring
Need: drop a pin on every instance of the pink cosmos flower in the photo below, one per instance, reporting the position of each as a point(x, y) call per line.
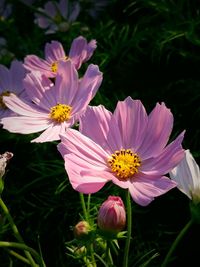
point(80, 52)
point(112, 215)
point(11, 81)
point(54, 107)
point(187, 176)
point(127, 147)
point(57, 16)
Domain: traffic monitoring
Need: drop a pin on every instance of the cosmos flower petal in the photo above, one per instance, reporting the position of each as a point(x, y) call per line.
point(160, 123)
point(98, 133)
point(52, 133)
point(167, 160)
point(36, 85)
point(22, 107)
point(187, 176)
point(66, 82)
point(85, 183)
point(88, 87)
point(32, 62)
point(54, 51)
point(75, 142)
point(106, 133)
point(132, 120)
point(5, 78)
point(80, 51)
point(24, 125)
point(143, 190)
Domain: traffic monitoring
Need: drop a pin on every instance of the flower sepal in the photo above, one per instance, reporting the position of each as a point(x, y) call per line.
point(195, 212)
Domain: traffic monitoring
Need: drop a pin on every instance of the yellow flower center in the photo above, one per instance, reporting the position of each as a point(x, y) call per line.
point(54, 65)
point(60, 113)
point(124, 163)
point(2, 104)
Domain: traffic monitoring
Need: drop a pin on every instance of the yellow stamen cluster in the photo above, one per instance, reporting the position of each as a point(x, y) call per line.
point(124, 163)
point(54, 65)
point(60, 113)
point(2, 104)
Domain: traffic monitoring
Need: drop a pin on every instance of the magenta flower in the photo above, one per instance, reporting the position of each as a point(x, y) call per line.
point(127, 147)
point(80, 52)
point(57, 16)
point(54, 107)
point(11, 81)
point(112, 215)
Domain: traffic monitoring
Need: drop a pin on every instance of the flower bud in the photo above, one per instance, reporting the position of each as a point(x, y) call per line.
point(112, 215)
point(81, 229)
point(4, 158)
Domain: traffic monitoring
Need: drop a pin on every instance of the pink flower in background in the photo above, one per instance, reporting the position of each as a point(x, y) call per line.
point(57, 16)
point(54, 107)
point(112, 215)
point(80, 52)
point(187, 176)
point(127, 147)
point(11, 81)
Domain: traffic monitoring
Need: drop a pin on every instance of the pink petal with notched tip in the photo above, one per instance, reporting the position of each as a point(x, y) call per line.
point(160, 123)
point(132, 120)
point(144, 190)
point(24, 108)
point(32, 62)
point(54, 51)
point(24, 125)
point(167, 160)
point(88, 87)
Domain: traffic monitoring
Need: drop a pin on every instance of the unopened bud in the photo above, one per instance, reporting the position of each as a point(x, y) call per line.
point(81, 229)
point(112, 215)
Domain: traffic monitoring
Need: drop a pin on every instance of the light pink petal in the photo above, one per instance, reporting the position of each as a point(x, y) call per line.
point(143, 190)
point(88, 87)
point(36, 86)
point(52, 133)
point(157, 134)
point(83, 147)
point(101, 118)
point(167, 160)
point(91, 46)
point(187, 175)
point(24, 125)
point(32, 62)
point(80, 52)
point(86, 183)
point(66, 85)
point(132, 120)
point(42, 22)
point(24, 108)
point(54, 51)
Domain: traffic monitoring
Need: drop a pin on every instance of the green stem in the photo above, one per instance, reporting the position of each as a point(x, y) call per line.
point(175, 243)
point(23, 247)
point(18, 256)
point(109, 259)
point(85, 214)
point(129, 228)
point(16, 231)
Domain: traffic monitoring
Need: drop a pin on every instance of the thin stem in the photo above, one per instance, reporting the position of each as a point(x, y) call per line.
point(92, 255)
point(85, 214)
point(101, 260)
point(129, 228)
point(18, 256)
point(108, 254)
point(22, 247)
point(16, 231)
point(175, 243)
point(88, 203)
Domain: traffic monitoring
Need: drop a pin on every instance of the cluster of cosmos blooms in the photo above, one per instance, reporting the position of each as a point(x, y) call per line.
point(127, 147)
